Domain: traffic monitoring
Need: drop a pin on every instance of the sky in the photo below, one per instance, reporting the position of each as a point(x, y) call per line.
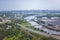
point(29, 4)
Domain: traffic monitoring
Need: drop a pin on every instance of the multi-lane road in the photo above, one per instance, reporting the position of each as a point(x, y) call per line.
point(39, 32)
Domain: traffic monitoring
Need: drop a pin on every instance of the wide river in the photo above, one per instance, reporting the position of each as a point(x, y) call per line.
point(36, 25)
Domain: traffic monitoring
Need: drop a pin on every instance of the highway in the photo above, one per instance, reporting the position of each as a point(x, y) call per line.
point(39, 32)
point(35, 31)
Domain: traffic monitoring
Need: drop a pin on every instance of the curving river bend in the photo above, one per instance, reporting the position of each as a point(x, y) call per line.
point(36, 25)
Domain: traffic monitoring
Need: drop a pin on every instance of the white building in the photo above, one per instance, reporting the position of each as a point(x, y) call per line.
point(44, 18)
point(54, 17)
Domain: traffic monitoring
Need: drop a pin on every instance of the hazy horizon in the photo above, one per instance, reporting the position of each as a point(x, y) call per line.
point(29, 4)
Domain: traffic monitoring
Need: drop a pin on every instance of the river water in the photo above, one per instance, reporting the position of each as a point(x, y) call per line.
point(36, 25)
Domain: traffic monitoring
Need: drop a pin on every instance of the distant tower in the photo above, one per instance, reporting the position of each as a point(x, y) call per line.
point(4, 16)
point(15, 15)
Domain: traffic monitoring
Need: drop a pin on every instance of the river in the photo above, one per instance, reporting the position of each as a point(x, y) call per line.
point(36, 25)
